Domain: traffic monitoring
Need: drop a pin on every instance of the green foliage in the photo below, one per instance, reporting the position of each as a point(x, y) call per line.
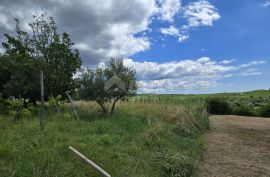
point(114, 73)
point(244, 111)
point(44, 49)
point(252, 103)
point(126, 144)
point(9, 105)
point(265, 111)
point(56, 102)
point(218, 106)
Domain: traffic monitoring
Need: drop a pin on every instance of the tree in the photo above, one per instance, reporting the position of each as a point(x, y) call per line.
point(108, 84)
point(44, 49)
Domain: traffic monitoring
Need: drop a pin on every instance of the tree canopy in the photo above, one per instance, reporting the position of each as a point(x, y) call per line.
point(42, 49)
point(108, 84)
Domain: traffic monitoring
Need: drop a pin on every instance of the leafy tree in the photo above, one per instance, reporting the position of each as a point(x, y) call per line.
point(108, 84)
point(43, 49)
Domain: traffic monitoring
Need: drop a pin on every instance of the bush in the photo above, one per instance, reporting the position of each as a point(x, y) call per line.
point(265, 111)
point(244, 111)
point(218, 106)
point(9, 105)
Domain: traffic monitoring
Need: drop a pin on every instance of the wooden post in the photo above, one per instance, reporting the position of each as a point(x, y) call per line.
point(90, 162)
point(71, 102)
point(42, 100)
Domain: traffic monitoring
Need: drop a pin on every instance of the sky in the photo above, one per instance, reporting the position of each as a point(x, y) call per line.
point(176, 46)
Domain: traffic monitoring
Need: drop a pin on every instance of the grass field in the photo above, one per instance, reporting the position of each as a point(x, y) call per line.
point(149, 136)
point(141, 139)
point(253, 103)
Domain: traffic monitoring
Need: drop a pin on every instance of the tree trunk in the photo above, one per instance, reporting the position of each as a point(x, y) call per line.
point(113, 106)
point(102, 106)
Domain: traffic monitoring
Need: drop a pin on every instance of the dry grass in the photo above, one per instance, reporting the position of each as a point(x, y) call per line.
point(237, 147)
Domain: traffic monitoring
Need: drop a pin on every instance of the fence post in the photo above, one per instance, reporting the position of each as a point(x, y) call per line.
point(71, 102)
point(41, 99)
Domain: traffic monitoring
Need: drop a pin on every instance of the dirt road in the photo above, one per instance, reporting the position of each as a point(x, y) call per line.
point(237, 147)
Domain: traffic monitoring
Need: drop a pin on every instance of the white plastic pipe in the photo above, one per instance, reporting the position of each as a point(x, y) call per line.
point(90, 162)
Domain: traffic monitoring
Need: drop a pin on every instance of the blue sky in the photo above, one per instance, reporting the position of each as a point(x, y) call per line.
point(176, 46)
point(241, 34)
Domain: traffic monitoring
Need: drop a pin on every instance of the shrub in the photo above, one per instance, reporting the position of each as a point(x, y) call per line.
point(264, 111)
point(218, 106)
point(244, 111)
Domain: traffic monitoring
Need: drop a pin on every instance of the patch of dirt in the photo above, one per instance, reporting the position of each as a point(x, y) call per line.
point(236, 147)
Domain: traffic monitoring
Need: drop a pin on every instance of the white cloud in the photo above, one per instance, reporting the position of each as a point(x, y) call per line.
point(227, 61)
point(168, 9)
point(177, 76)
point(200, 13)
point(182, 37)
point(257, 62)
point(117, 28)
point(265, 4)
point(197, 14)
point(202, 67)
point(251, 72)
point(170, 31)
point(168, 85)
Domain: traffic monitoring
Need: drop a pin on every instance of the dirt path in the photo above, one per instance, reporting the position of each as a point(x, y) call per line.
point(237, 147)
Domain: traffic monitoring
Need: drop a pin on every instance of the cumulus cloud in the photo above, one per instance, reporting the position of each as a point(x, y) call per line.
point(163, 86)
point(196, 14)
point(175, 76)
point(100, 30)
point(182, 37)
point(201, 13)
point(168, 9)
point(115, 28)
point(202, 67)
point(170, 31)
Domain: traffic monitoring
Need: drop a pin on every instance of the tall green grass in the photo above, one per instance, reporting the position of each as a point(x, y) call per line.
point(140, 140)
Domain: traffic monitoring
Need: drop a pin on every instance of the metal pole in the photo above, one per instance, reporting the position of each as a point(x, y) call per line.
point(90, 162)
point(71, 102)
point(42, 100)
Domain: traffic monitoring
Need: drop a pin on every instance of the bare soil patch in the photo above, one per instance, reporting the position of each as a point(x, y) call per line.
point(237, 147)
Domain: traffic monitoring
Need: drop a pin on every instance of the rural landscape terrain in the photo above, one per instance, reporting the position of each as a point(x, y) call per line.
point(139, 88)
point(149, 135)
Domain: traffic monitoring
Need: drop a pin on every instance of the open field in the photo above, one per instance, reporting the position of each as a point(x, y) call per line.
point(237, 147)
point(253, 103)
point(148, 140)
